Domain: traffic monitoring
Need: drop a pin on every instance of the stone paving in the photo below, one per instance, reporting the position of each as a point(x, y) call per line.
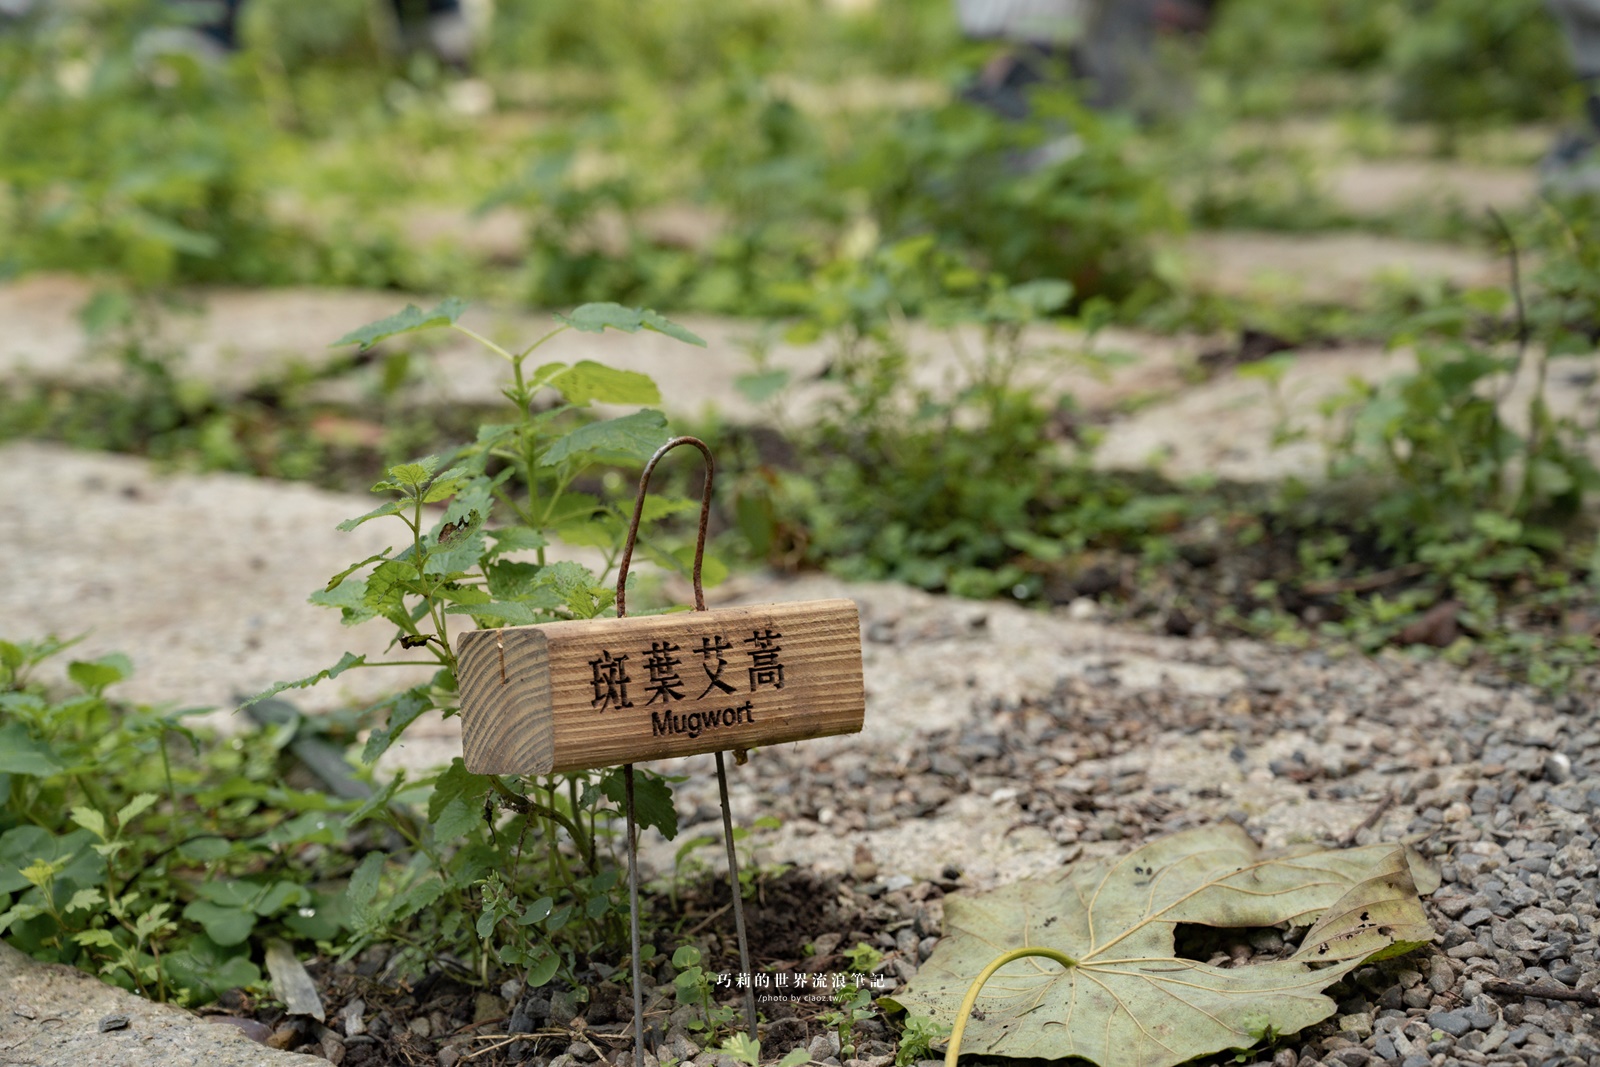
point(55, 1016)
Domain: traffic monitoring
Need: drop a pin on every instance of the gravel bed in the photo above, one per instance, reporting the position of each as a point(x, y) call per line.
point(1499, 787)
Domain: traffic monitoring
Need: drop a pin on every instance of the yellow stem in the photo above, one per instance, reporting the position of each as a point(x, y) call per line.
point(976, 987)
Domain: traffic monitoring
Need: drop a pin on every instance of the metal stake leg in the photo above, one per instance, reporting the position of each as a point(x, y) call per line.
point(633, 918)
point(738, 899)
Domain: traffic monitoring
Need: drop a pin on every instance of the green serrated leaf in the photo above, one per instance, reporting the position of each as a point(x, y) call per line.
point(506, 613)
point(591, 533)
point(421, 895)
point(456, 820)
point(366, 879)
point(516, 539)
point(761, 386)
point(338, 579)
point(652, 799)
point(573, 507)
point(414, 476)
point(349, 597)
point(69, 855)
point(205, 849)
point(594, 318)
point(795, 1057)
point(135, 808)
point(588, 382)
point(20, 753)
point(387, 586)
point(90, 820)
point(743, 1048)
point(630, 439)
point(378, 801)
point(94, 676)
point(96, 938)
point(447, 484)
point(388, 507)
point(457, 783)
point(346, 662)
point(404, 709)
point(412, 318)
point(84, 900)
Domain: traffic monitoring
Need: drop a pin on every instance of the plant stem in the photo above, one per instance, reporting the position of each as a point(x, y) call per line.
point(527, 806)
point(496, 349)
point(976, 987)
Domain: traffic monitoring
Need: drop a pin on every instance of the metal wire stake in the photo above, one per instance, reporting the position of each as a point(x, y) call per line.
point(633, 918)
point(722, 774)
point(738, 900)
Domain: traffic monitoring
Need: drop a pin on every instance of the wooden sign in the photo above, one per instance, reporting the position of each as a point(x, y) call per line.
point(569, 696)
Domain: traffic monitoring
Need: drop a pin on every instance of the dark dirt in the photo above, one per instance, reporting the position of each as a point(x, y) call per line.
point(800, 922)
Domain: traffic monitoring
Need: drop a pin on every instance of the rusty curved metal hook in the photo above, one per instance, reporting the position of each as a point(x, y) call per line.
point(722, 773)
point(638, 512)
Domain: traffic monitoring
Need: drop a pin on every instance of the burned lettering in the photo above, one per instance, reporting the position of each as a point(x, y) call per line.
point(712, 648)
point(610, 681)
point(764, 666)
point(664, 685)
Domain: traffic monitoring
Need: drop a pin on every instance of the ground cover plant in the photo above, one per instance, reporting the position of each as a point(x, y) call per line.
point(1445, 520)
point(138, 848)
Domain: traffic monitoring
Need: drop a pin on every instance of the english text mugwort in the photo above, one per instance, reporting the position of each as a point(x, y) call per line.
point(695, 722)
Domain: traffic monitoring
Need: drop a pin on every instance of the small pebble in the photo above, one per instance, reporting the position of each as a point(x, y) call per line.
point(255, 1031)
point(353, 1015)
point(1454, 1023)
point(113, 1022)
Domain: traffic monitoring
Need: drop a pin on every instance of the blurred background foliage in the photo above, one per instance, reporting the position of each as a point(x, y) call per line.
point(704, 154)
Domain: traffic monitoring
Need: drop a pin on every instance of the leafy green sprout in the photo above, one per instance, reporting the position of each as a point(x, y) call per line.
point(855, 1005)
point(693, 987)
point(917, 1039)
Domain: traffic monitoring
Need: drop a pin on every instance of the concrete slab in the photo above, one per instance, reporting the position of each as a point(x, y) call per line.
point(52, 1015)
point(1370, 188)
point(1226, 427)
point(1324, 268)
point(201, 579)
point(232, 338)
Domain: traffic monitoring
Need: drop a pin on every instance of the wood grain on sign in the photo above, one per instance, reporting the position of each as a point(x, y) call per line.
point(568, 696)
